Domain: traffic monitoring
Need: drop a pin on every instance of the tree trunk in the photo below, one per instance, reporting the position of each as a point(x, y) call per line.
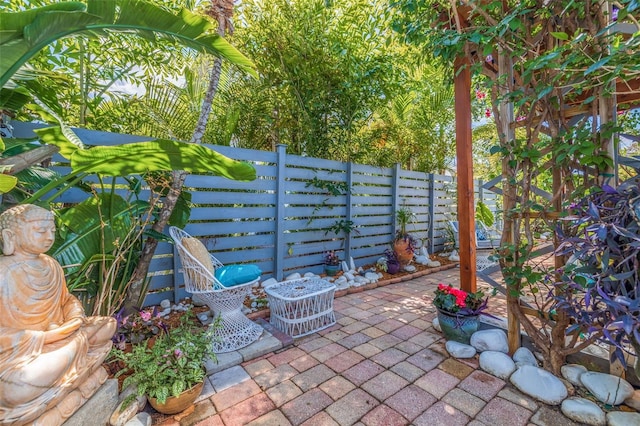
point(137, 284)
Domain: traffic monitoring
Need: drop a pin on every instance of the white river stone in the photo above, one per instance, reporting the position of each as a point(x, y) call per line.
point(459, 350)
point(607, 388)
point(584, 411)
point(436, 324)
point(523, 356)
point(539, 384)
point(621, 418)
point(572, 373)
point(498, 364)
point(490, 340)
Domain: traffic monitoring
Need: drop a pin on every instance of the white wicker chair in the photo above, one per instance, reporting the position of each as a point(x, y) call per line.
point(235, 330)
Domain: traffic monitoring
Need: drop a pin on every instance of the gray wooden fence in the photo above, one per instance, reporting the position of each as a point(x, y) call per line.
point(281, 221)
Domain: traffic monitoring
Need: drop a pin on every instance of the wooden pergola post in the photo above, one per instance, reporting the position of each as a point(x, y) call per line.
point(466, 207)
point(507, 120)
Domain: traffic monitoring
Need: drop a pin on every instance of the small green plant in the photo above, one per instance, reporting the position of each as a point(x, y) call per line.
point(173, 364)
point(404, 216)
point(330, 187)
point(346, 226)
point(331, 258)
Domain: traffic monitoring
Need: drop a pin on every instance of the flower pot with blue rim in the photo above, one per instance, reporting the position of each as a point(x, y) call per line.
point(331, 270)
point(457, 327)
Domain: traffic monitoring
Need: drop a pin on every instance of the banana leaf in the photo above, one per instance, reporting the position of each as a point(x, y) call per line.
point(7, 183)
point(143, 157)
point(94, 226)
point(24, 34)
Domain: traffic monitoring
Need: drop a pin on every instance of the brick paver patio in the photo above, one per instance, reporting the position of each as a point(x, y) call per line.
point(381, 364)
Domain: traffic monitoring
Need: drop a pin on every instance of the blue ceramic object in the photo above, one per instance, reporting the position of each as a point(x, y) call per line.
point(331, 270)
point(457, 327)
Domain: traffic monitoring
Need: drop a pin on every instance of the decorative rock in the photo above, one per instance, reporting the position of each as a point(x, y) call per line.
point(634, 400)
point(454, 257)
point(309, 275)
point(141, 419)
point(294, 276)
point(422, 260)
point(490, 340)
point(371, 276)
point(341, 280)
point(459, 350)
point(165, 304)
point(360, 280)
point(410, 268)
point(498, 364)
point(122, 415)
point(197, 300)
point(165, 313)
point(572, 373)
point(424, 252)
point(269, 282)
point(345, 267)
point(433, 264)
point(539, 384)
point(436, 324)
point(621, 418)
point(203, 316)
point(584, 411)
point(352, 264)
point(607, 388)
point(523, 356)
point(349, 276)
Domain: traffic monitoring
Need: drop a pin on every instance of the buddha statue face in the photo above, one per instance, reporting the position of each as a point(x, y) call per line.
point(27, 229)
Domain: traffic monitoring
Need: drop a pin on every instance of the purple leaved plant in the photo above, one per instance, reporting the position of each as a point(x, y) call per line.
point(599, 287)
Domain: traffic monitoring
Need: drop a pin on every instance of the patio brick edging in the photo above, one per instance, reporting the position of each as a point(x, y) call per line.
point(265, 313)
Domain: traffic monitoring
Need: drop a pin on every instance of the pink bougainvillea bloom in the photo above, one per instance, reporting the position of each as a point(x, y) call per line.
point(145, 315)
point(487, 112)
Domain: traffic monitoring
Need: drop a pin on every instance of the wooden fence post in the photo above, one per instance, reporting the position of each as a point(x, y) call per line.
point(279, 246)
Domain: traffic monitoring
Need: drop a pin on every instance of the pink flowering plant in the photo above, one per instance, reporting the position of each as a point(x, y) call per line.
point(173, 364)
point(137, 327)
point(457, 301)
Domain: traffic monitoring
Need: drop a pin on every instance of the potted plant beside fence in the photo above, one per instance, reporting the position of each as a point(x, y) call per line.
point(331, 263)
point(170, 372)
point(404, 243)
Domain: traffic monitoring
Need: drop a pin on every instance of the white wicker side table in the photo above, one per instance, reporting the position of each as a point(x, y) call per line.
point(303, 306)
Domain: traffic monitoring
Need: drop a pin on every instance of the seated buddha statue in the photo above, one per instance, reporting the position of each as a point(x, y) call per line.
point(48, 347)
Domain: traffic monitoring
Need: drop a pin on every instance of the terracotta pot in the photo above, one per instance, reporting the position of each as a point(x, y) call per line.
point(177, 404)
point(403, 252)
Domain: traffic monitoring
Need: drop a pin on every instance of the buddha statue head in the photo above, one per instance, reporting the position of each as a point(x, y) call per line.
point(26, 229)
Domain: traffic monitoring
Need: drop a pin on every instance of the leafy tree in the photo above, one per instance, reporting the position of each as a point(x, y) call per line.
point(324, 68)
point(25, 33)
point(557, 64)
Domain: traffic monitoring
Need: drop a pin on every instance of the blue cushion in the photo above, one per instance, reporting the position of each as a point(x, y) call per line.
point(481, 235)
point(232, 275)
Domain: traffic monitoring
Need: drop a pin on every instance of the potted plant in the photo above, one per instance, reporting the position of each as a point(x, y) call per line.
point(140, 326)
point(171, 372)
point(458, 311)
point(389, 263)
point(331, 263)
point(404, 243)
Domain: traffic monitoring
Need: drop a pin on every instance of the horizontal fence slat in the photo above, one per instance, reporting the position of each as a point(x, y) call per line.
point(238, 223)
